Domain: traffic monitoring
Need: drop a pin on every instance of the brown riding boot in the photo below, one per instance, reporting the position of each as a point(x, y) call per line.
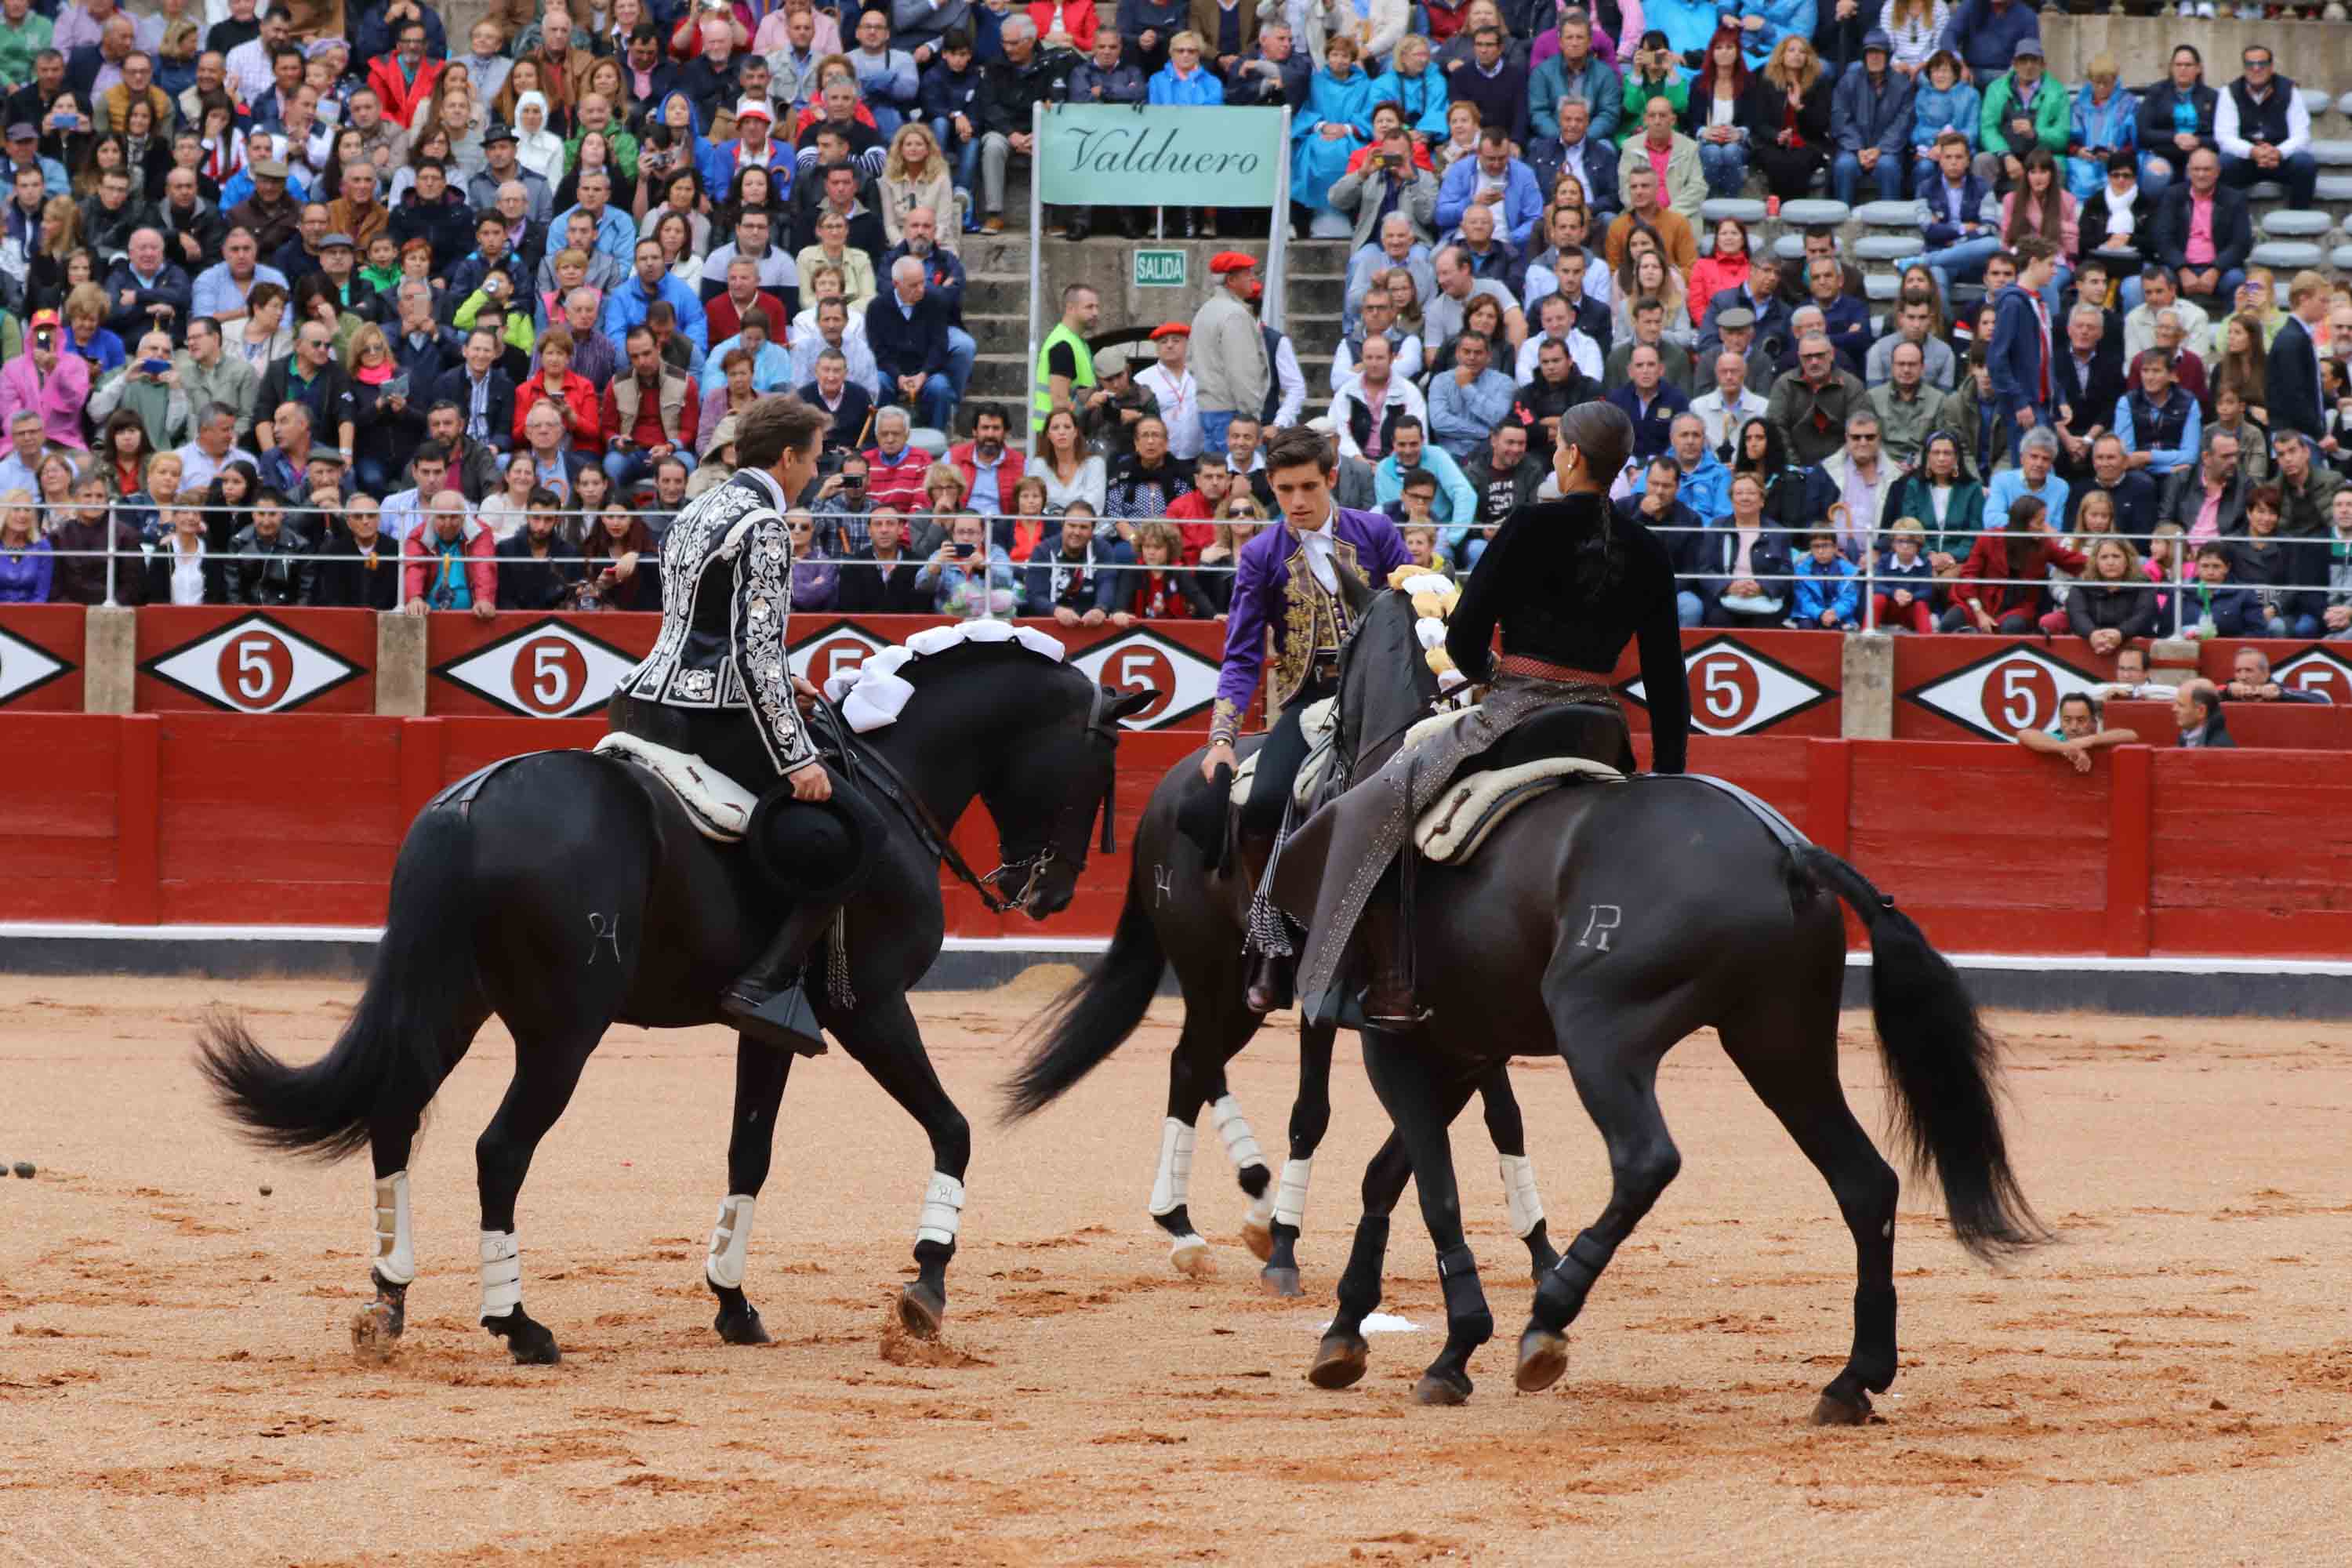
point(1270, 982)
point(1386, 949)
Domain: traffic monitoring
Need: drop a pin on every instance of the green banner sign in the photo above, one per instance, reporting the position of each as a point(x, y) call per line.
point(1160, 155)
point(1159, 269)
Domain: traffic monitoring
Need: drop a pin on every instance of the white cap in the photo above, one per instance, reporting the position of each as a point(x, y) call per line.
point(755, 106)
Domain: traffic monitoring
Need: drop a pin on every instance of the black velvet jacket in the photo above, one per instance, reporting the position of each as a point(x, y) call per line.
point(1529, 583)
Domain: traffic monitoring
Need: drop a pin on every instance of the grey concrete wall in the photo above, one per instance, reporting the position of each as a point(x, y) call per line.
point(109, 659)
point(401, 668)
point(1109, 270)
point(2315, 54)
point(1866, 692)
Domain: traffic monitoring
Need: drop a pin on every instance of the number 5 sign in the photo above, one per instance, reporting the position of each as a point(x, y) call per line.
point(1735, 690)
point(2013, 688)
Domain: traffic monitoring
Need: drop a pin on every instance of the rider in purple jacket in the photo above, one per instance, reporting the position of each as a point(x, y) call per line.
point(1306, 581)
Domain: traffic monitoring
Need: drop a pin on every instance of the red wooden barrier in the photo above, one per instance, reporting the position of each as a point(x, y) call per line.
point(296, 820)
point(41, 658)
point(209, 658)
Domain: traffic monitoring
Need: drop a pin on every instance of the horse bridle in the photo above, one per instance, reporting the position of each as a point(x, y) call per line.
point(1100, 728)
point(893, 789)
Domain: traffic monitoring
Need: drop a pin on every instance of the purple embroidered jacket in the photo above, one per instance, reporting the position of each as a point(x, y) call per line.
point(1275, 588)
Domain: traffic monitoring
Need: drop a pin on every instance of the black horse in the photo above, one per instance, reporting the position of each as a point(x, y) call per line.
point(1190, 909)
point(571, 891)
point(1604, 923)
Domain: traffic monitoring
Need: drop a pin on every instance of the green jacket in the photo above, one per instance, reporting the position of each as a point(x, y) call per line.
point(625, 148)
point(2053, 118)
point(1638, 94)
point(20, 45)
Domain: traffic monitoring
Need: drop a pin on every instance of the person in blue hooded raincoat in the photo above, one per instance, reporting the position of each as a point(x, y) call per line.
point(1414, 87)
point(1764, 23)
point(1688, 24)
point(1337, 121)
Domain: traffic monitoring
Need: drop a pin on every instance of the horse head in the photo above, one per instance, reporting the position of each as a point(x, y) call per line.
point(1044, 793)
point(1385, 683)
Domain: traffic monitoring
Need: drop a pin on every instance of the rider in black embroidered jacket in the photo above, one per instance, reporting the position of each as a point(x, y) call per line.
point(717, 683)
point(1569, 583)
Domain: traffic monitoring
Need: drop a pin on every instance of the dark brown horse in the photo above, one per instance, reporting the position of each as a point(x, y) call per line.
point(1603, 923)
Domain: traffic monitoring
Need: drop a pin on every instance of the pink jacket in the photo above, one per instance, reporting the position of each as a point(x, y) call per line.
point(2068, 240)
point(59, 400)
point(482, 568)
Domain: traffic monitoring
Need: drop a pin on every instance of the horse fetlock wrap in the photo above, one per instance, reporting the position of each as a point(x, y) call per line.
point(730, 1242)
point(1290, 1197)
point(1171, 1187)
point(1519, 1194)
point(501, 1273)
point(395, 1247)
point(942, 1212)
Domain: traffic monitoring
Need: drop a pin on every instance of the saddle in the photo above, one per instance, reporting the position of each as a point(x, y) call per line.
point(720, 807)
point(1319, 723)
point(1450, 831)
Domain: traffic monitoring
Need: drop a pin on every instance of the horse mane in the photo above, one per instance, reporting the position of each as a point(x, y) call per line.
point(1375, 705)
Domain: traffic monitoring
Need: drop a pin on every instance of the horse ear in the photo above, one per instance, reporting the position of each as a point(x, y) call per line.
point(1122, 704)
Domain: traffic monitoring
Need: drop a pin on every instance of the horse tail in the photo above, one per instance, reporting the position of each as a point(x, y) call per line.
point(1944, 1063)
point(389, 1059)
point(1091, 1019)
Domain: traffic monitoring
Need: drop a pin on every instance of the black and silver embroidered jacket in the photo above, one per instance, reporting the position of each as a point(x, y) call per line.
point(727, 600)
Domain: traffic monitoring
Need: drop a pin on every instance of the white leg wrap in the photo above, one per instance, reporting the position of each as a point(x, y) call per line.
point(730, 1242)
point(1290, 1198)
point(1173, 1187)
point(942, 1214)
point(396, 1253)
point(1240, 1143)
point(1519, 1192)
point(501, 1273)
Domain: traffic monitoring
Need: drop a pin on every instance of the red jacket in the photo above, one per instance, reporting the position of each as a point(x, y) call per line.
point(583, 410)
point(1080, 22)
point(481, 566)
point(1008, 472)
point(1989, 558)
point(1190, 513)
point(401, 101)
point(724, 320)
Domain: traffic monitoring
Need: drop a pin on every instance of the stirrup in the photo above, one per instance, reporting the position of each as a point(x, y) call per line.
point(782, 1019)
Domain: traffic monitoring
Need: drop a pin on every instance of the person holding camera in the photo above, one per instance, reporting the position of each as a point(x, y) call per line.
point(49, 382)
point(1390, 178)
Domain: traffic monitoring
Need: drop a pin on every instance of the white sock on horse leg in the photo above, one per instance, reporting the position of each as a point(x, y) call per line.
point(501, 1273)
point(1290, 1198)
point(396, 1252)
point(942, 1212)
point(1519, 1192)
point(1171, 1188)
point(1241, 1148)
point(730, 1242)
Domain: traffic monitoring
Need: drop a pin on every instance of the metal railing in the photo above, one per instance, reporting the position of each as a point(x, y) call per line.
point(1867, 580)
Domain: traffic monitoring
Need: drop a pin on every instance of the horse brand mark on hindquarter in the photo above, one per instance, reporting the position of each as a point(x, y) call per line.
point(604, 928)
point(1161, 885)
point(1602, 919)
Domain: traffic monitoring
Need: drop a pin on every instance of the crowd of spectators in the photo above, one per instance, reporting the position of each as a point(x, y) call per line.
point(387, 320)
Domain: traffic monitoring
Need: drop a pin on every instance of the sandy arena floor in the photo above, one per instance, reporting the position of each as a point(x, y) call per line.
point(2173, 1384)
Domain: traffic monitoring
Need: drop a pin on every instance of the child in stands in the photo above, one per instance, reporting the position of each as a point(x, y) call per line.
point(1906, 599)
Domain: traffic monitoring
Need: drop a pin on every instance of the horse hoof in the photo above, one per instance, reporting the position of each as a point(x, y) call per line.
point(1191, 1258)
point(1832, 1411)
point(528, 1341)
point(742, 1328)
point(1280, 1281)
point(1258, 1239)
point(1442, 1388)
point(921, 1310)
point(1543, 1356)
point(375, 1332)
point(1339, 1361)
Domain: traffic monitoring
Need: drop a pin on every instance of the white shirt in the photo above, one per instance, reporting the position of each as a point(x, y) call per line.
point(199, 469)
point(1724, 420)
point(187, 571)
point(2233, 145)
point(1179, 405)
point(1317, 544)
point(1582, 352)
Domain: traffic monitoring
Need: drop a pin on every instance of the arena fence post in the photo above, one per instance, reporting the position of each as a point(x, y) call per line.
point(1036, 263)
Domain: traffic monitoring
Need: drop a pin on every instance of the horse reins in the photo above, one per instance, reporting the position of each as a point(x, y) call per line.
point(893, 787)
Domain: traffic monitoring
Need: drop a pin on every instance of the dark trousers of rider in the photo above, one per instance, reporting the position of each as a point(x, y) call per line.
point(1277, 766)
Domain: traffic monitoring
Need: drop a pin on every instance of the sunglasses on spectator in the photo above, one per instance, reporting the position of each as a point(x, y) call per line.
point(2258, 62)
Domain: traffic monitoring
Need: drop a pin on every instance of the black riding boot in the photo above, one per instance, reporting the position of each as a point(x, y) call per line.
point(768, 1001)
point(1270, 974)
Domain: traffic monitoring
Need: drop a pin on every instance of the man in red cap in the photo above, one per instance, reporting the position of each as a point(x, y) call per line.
point(1230, 361)
point(1172, 385)
point(753, 148)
